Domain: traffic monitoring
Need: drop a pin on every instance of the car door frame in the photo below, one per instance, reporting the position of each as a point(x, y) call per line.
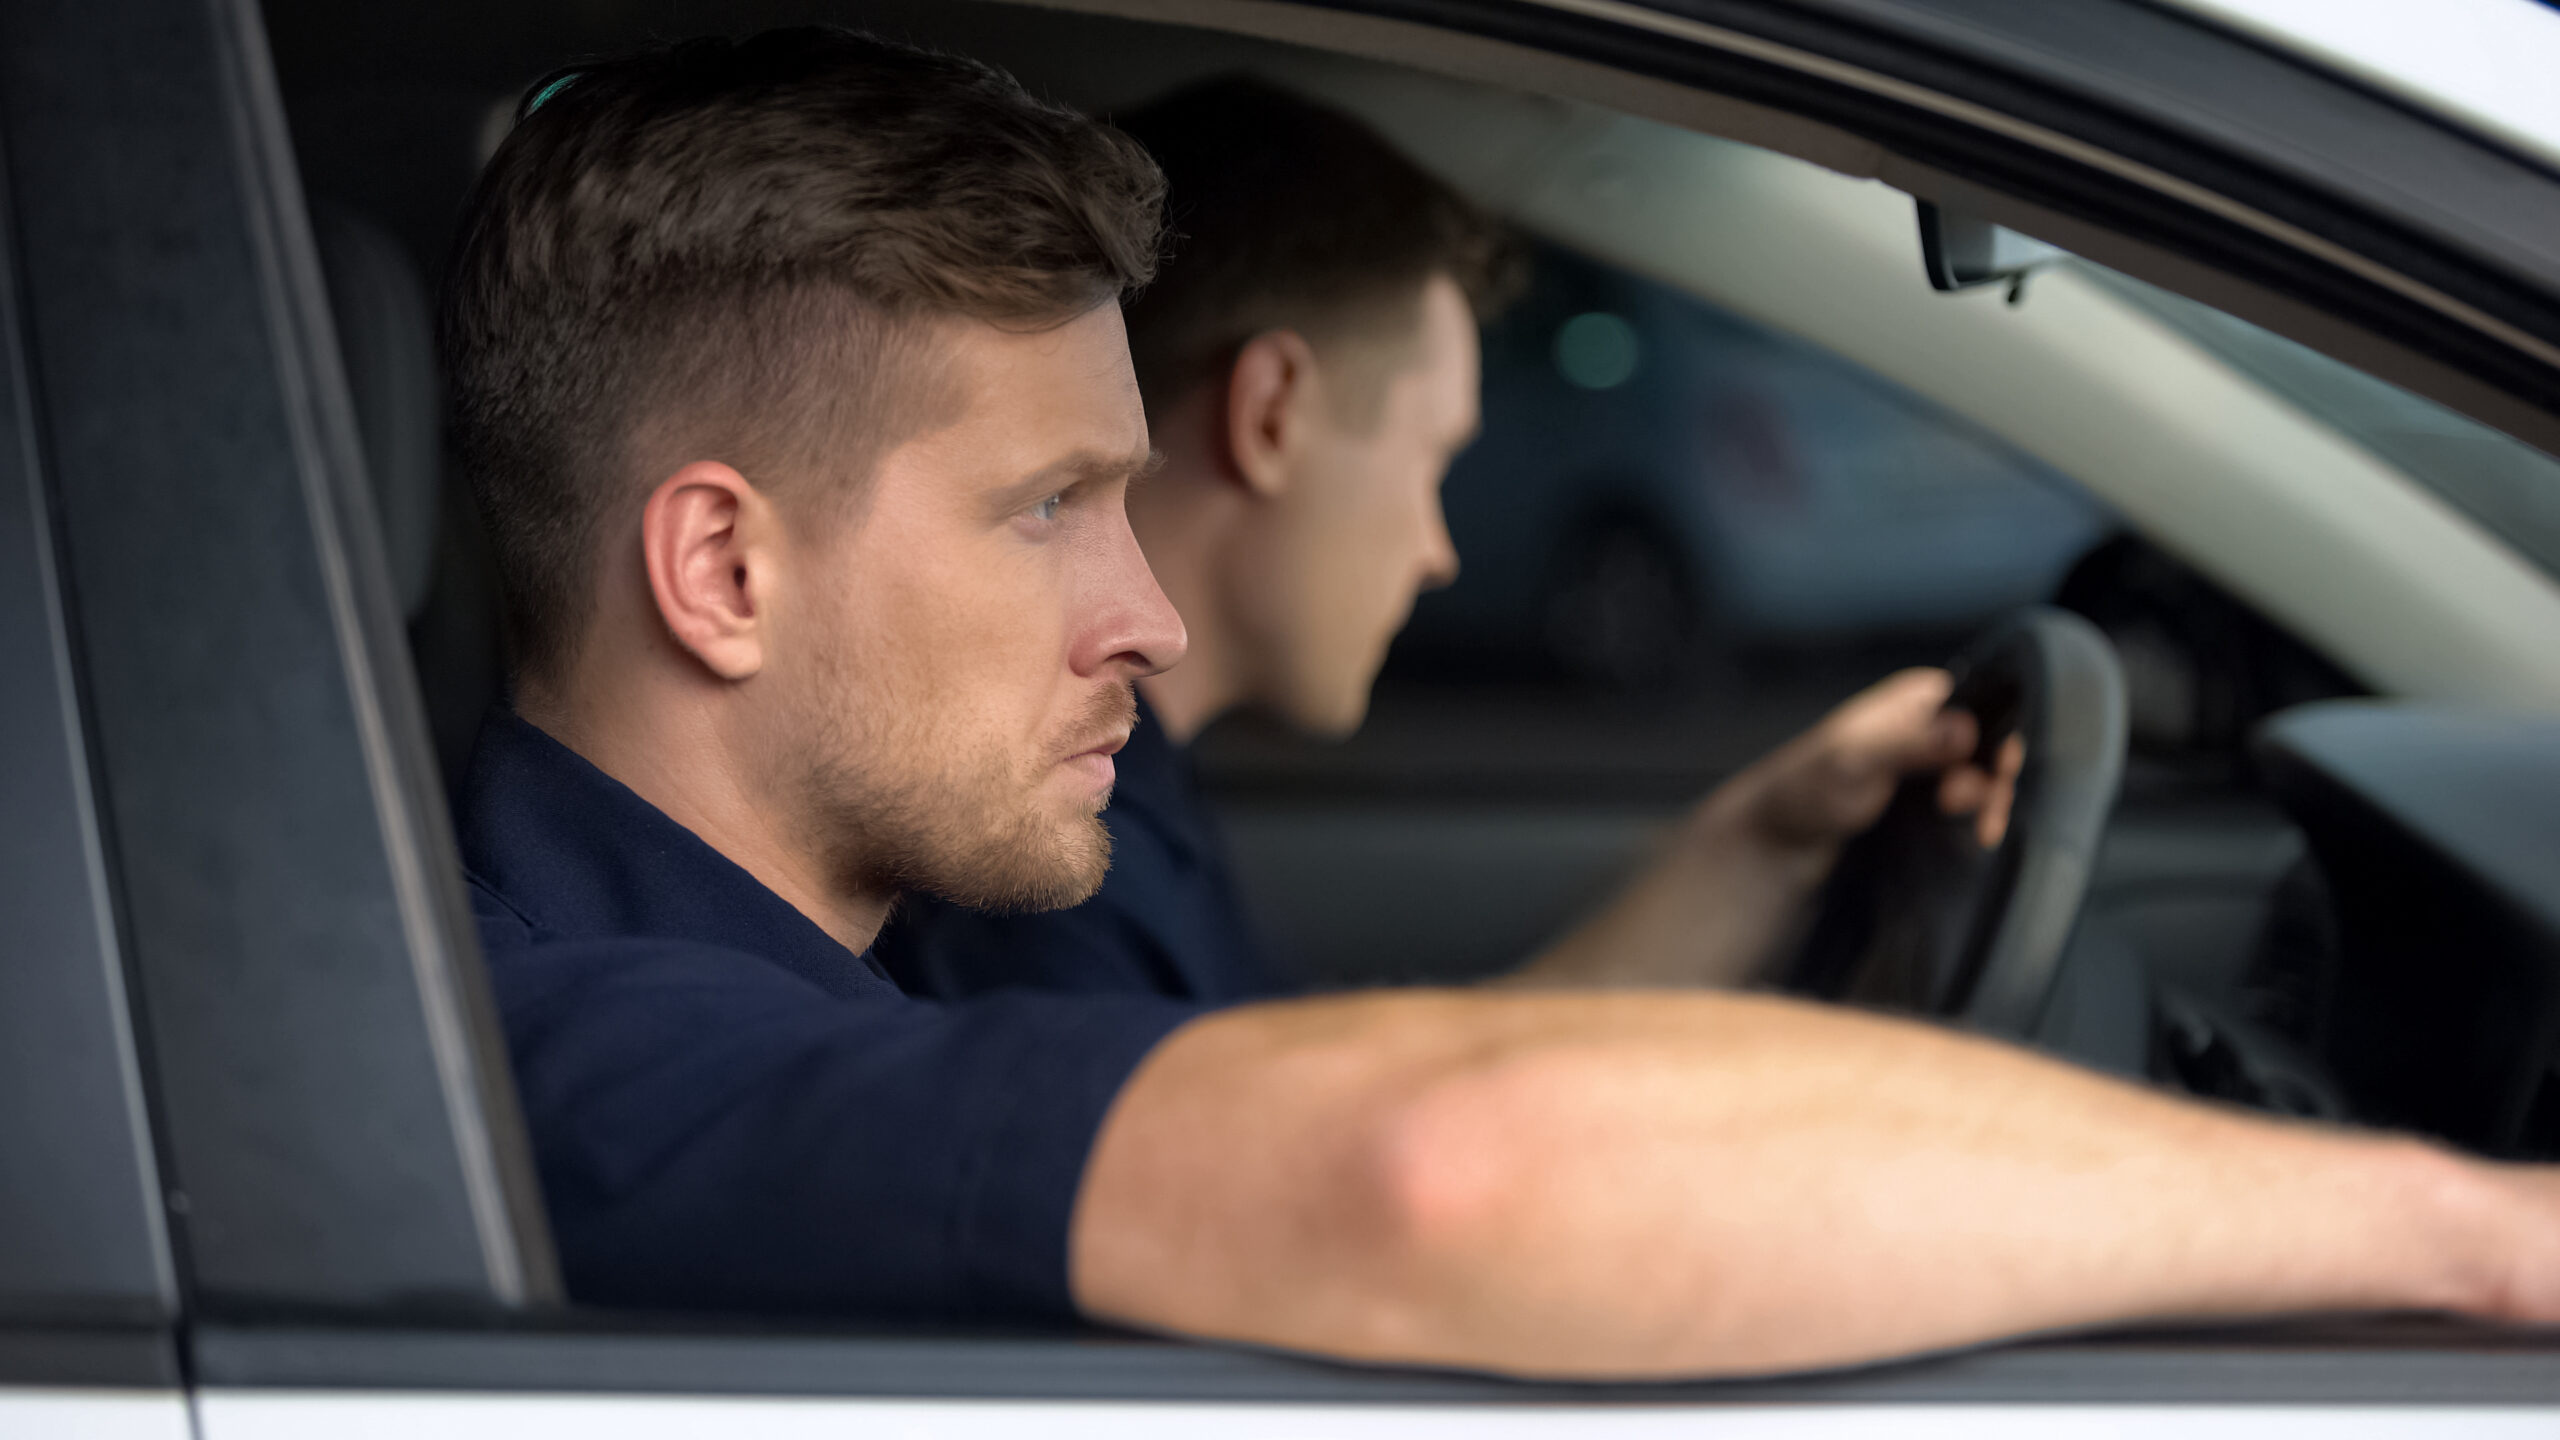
point(88, 1284)
point(353, 1223)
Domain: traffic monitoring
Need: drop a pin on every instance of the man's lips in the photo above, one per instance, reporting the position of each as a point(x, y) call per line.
point(1095, 759)
point(1106, 747)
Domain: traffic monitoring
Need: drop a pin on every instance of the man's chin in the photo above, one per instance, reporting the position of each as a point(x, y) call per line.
point(1060, 868)
point(1335, 718)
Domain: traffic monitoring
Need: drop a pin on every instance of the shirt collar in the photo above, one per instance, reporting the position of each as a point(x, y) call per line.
point(580, 856)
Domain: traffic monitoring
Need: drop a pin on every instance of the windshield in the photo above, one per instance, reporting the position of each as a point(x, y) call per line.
point(2508, 486)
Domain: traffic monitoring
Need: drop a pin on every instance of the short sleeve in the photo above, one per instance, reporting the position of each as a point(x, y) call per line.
point(715, 1132)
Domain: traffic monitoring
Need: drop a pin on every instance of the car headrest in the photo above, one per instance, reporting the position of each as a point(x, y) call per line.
point(387, 342)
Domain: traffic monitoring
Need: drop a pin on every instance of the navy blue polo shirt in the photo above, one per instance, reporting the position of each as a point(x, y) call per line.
point(730, 1110)
point(1166, 921)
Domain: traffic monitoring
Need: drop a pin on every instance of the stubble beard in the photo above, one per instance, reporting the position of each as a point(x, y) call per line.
point(900, 806)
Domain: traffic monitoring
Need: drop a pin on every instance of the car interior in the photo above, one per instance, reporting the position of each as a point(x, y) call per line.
point(2280, 633)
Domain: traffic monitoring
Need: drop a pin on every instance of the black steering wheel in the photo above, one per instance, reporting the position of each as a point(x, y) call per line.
point(1918, 916)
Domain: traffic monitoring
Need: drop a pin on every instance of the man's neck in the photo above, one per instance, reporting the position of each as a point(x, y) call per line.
point(671, 752)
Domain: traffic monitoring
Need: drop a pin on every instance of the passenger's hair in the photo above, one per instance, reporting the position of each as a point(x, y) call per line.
point(1287, 214)
point(734, 252)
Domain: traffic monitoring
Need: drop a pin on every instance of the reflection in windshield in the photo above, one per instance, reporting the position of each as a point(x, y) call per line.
point(2508, 486)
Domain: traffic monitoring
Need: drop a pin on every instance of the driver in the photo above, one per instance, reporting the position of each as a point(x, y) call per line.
point(1308, 361)
point(791, 377)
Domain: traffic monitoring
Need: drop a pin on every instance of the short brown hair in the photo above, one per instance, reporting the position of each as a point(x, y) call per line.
point(724, 245)
point(1287, 214)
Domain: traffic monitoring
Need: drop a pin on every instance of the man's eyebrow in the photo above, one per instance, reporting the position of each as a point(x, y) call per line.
point(1084, 467)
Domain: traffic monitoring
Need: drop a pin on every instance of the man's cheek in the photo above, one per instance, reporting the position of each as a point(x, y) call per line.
point(961, 607)
point(1011, 659)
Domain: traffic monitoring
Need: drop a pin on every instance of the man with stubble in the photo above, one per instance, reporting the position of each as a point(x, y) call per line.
point(792, 379)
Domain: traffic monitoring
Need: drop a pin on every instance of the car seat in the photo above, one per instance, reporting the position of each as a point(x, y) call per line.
point(439, 556)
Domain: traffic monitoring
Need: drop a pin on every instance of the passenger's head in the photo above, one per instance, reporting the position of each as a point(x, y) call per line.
point(790, 378)
point(1316, 322)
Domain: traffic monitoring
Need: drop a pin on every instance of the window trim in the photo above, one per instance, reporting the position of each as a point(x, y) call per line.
point(2383, 1362)
point(138, 1357)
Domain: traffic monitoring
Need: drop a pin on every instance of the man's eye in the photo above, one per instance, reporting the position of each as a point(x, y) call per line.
point(1047, 509)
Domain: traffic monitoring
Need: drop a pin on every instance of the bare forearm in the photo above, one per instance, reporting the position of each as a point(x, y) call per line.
point(1806, 1189)
point(1667, 1184)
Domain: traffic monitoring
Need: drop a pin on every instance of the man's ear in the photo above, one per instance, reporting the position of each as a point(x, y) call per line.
point(1270, 389)
point(709, 573)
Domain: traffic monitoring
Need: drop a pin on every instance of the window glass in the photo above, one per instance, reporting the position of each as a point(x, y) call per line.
point(2505, 484)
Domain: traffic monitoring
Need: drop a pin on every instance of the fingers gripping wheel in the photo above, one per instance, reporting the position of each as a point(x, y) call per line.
point(1917, 915)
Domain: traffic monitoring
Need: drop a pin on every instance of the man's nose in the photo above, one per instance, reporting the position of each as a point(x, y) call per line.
point(1135, 627)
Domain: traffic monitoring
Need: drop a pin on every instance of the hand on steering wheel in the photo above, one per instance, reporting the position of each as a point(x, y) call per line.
point(1941, 917)
point(1831, 783)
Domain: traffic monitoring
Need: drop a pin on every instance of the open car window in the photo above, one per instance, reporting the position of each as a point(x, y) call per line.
point(1656, 525)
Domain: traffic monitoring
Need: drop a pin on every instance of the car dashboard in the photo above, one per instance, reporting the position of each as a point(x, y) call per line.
point(2437, 831)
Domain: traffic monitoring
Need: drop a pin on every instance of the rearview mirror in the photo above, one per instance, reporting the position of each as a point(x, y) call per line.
point(1963, 251)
